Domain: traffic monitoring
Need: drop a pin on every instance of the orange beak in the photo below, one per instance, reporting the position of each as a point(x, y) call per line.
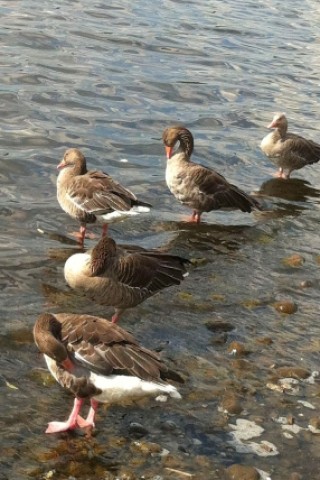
point(168, 151)
point(62, 164)
point(273, 124)
point(67, 364)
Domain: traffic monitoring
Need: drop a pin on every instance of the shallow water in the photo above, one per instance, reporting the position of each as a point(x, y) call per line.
point(108, 78)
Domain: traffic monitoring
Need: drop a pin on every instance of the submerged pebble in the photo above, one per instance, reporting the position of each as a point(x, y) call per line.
point(231, 405)
point(219, 326)
point(295, 476)
point(314, 425)
point(146, 448)
point(292, 372)
point(295, 260)
point(264, 340)
point(237, 348)
point(285, 306)
point(137, 430)
point(242, 472)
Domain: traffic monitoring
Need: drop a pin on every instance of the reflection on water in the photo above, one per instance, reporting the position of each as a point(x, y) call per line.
point(108, 78)
point(293, 190)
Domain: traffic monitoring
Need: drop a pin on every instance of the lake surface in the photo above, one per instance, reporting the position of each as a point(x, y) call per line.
point(108, 77)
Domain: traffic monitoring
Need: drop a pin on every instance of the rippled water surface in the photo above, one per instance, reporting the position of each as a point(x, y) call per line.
point(108, 77)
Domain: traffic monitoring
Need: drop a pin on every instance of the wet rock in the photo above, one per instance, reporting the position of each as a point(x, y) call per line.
point(49, 475)
point(306, 284)
point(245, 430)
point(290, 420)
point(250, 304)
point(231, 404)
point(197, 262)
point(295, 476)
point(217, 297)
point(169, 426)
point(307, 404)
point(185, 296)
point(292, 372)
point(264, 340)
point(146, 448)
point(237, 348)
point(315, 422)
point(314, 425)
point(41, 376)
point(242, 472)
point(116, 442)
point(295, 260)
point(125, 474)
point(219, 326)
point(137, 430)
point(285, 306)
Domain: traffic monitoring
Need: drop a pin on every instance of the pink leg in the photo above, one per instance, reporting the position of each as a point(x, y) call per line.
point(89, 422)
point(198, 217)
point(279, 173)
point(105, 230)
point(71, 423)
point(116, 315)
point(80, 235)
point(195, 217)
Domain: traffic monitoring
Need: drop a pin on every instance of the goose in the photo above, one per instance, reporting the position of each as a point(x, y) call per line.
point(122, 277)
point(90, 196)
point(196, 186)
point(287, 150)
point(98, 361)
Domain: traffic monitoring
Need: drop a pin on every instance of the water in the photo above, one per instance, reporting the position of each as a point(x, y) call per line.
point(108, 77)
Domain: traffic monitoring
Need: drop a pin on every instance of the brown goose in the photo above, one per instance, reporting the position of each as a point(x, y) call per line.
point(99, 361)
point(93, 195)
point(122, 277)
point(288, 150)
point(196, 186)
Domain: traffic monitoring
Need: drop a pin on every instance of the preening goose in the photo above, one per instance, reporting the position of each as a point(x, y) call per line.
point(196, 186)
point(122, 277)
point(98, 361)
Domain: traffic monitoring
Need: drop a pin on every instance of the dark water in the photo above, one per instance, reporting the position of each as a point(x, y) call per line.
point(108, 77)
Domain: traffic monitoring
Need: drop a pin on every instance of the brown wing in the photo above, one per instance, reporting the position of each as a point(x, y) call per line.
point(148, 269)
point(108, 349)
point(98, 193)
point(208, 190)
point(307, 150)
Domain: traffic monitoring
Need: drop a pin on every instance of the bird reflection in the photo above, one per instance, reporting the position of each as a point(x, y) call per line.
point(205, 237)
point(293, 189)
point(288, 198)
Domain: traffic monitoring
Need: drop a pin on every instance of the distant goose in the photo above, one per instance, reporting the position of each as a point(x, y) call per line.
point(196, 186)
point(93, 195)
point(99, 361)
point(122, 277)
point(288, 150)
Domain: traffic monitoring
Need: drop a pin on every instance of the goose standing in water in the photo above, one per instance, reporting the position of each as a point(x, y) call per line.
point(88, 196)
point(196, 186)
point(287, 150)
point(122, 277)
point(98, 361)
